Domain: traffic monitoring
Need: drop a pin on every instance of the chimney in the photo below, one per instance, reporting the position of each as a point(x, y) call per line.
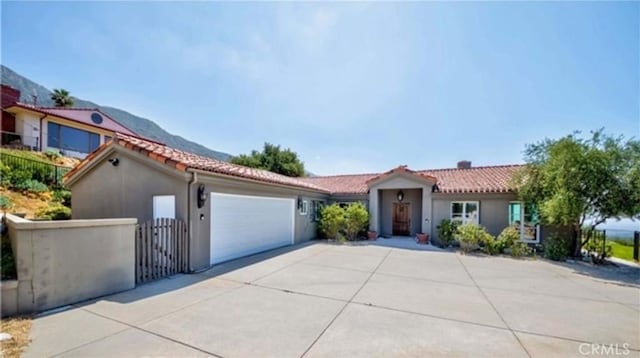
point(9, 96)
point(464, 164)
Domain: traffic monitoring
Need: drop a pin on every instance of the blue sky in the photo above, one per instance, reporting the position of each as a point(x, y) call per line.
point(352, 87)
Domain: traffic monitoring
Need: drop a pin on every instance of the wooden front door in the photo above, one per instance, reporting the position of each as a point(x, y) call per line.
point(401, 218)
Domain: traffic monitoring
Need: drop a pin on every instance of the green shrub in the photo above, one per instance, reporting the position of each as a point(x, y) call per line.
point(32, 186)
point(53, 155)
point(555, 248)
point(519, 249)
point(446, 232)
point(356, 218)
point(491, 245)
point(63, 197)
point(54, 212)
point(331, 220)
point(470, 236)
point(509, 236)
point(5, 203)
point(7, 262)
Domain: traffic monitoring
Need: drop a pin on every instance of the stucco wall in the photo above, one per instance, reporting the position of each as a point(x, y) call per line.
point(64, 262)
point(126, 190)
point(494, 210)
point(413, 197)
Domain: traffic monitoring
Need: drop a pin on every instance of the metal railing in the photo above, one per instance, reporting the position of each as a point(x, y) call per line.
point(50, 174)
point(18, 141)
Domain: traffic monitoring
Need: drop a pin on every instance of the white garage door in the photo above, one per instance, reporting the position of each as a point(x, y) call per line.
point(242, 225)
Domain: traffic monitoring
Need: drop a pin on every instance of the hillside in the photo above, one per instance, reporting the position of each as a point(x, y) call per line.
point(142, 126)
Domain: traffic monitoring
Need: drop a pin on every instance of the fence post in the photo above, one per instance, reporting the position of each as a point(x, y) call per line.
point(636, 244)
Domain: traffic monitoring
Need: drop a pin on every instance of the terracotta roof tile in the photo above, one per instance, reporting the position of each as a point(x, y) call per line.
point(487, 179)
point(185, 160)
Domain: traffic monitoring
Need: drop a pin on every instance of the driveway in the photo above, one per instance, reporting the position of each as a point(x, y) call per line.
point(322, 300)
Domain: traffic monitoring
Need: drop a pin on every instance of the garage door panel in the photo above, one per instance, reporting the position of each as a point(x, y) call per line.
point(244, 225)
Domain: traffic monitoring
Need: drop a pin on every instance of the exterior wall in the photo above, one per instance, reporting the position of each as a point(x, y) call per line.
point(64, 262)
point(305, 227)
point(28, 125)
point(412, 197)
point(396, 182)
point(126, 190)
point(494, 210)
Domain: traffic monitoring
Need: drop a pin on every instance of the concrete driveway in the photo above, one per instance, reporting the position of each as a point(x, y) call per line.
point(322, 300)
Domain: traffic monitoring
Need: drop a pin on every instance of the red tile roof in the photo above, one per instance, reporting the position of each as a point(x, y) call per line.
point(80, 115)
point(402, 170)
point(184, 160)
point(488, 179)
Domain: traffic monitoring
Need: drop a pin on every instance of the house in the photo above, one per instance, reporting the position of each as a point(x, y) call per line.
point(233, 211)
point(73, 131)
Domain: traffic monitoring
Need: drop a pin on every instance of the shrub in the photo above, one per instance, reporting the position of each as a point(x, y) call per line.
point(492, 246)
point(356, 219)
point(519, 249)
point(53, 155)
point(63, 197)
point(470, 235)
point(54, 212)
point(7, 262)
point(509, 236)
point(5, 203)
point(446, 232)
point(32, 186)
point(555, 248)
point(331, 220)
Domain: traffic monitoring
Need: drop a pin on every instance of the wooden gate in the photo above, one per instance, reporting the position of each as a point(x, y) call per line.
point(161, 249)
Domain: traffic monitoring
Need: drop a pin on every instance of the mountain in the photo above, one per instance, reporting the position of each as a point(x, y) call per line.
point(143, 126)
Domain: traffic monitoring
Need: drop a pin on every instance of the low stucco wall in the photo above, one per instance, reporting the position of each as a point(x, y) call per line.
point(63, 262)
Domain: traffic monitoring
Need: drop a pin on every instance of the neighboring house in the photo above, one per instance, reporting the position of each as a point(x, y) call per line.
point(75, 132)
point(233, 211)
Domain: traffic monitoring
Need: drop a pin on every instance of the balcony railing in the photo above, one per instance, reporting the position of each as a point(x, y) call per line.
point(18, 141)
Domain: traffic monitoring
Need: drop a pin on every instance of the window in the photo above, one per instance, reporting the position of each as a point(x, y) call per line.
point(73, 139)
point(304, 207)
point(465, 212)
point(525, 218)
point(107, 138)
point(316, 208)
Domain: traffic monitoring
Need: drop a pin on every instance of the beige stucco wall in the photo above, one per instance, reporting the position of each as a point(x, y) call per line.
point(64, 262)
point(127, 190)
point(413, 197)
point(494, 209)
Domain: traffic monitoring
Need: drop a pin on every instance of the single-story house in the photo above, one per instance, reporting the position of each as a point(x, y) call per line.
point(75, 132)
point(233, 211)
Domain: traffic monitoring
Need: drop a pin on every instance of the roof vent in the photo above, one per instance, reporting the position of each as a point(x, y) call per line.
point(96, 118)
point(464, 164)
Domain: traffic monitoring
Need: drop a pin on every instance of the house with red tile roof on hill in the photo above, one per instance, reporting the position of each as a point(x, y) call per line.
point(74, 132)
point(233, 211)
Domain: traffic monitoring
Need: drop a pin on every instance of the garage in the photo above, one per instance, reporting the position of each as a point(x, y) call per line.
point(242, 225)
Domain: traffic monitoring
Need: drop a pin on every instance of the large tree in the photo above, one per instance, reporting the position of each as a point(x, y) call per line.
point(274, 159)
point(61, 98)
point(576, 181)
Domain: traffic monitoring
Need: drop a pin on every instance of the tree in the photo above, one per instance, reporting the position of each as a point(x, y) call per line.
point(61, 98)
point(273, 158)
point(574, 181)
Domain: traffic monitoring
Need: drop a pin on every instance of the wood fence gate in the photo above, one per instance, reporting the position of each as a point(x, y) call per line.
point(161, 249)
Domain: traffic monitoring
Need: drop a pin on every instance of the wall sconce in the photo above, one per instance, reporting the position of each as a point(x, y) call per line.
point(202, 196)
point(114, 161)
point(299, 203)
point(400, 195)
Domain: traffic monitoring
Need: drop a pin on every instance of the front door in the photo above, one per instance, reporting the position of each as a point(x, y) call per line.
point(401, 218)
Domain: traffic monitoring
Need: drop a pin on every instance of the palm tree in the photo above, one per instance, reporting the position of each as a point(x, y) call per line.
point(61, 98)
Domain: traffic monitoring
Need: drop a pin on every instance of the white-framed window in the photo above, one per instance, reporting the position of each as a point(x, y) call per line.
point(465, 212)
point(316, 207)
point(304, 207)
point(524, 217)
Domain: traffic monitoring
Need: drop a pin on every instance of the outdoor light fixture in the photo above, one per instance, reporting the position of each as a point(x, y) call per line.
point(114, 161)
point(400, 195)
point(202, 196)
point(299, 203)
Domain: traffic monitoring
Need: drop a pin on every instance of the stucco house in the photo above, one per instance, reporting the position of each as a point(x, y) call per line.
point(75, 132)
point(233, 211)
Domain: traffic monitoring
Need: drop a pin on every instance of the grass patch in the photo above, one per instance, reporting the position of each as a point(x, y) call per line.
point(18, 328)
point(621, 251)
